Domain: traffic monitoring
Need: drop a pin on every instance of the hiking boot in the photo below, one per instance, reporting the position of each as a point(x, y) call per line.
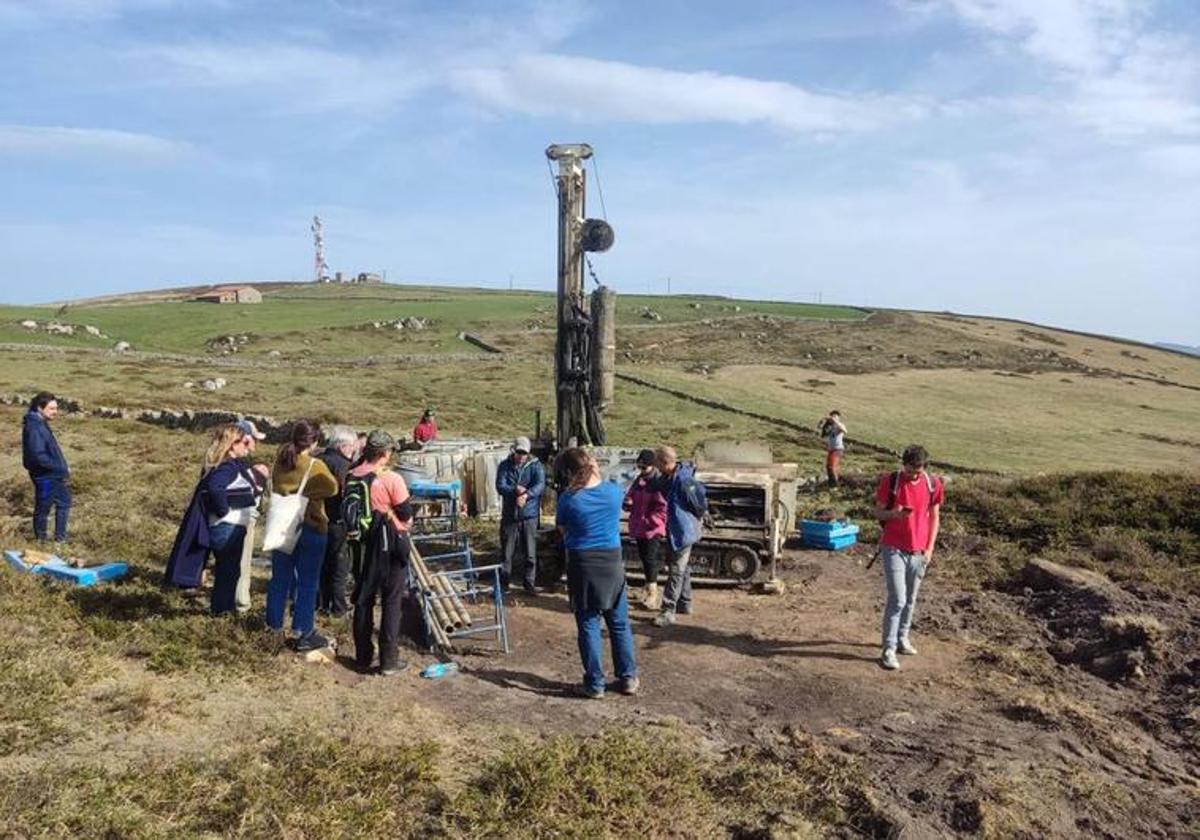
point(905, 647)
point(591, 693)
point(664, 619)
point(393, 668)
point(889, 661)
point(630, 686)
point(684, 609)
point(652, 599)
point(532, 591)
point(311, 641)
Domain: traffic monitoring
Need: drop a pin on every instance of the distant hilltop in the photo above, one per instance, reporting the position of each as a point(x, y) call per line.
point(1191, 350)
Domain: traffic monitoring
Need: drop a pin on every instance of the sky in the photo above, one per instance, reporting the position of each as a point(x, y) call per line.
point(1037, 159)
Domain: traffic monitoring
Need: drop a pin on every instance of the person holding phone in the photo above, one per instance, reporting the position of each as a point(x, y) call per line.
point(908, 506)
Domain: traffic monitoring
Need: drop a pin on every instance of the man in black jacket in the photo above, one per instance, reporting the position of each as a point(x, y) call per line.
point(333, 597)
point(47, 467)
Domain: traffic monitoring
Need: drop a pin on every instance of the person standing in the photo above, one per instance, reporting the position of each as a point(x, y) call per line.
point(252, 437)
point(230, 493)
point(341, 448)
point(384, 572)
point(294, 462)
point(687, 502)
point(589, 518)
point(833, 431)
point(520, 481)
point(908, 504)
point(427, 429)
point(647, 523)
point(47, 467)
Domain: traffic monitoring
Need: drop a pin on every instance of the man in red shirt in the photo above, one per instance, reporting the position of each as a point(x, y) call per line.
point(427, 429)
point(908, 504)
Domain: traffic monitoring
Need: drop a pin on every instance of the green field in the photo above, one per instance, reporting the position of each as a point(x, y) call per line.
point(132, 713)
point(320, 319)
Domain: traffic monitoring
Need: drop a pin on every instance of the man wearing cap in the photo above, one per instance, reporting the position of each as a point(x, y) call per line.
point(384, 572)
point(520, 481)
point(251, 435)
point(427, 429)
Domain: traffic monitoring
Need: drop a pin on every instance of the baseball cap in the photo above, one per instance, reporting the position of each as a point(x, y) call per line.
point(521, 444)
point(646, 456)
point(247, 427)
point(379, 439)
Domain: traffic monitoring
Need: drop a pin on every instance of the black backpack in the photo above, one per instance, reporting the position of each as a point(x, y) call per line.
point(356, 506)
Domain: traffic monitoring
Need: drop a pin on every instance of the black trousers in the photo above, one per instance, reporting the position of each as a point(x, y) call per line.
point(519, 538)
point(333, 596)
point(650, 553)
point(383, 577)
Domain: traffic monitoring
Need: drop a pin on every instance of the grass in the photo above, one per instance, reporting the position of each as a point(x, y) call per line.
point(308, 783)
point(315, 319)
point(976, 418)
point(300, 784)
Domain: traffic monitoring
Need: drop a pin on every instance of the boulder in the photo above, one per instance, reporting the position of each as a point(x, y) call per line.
point(90, 330)
point(122, 347)
point(29, 325)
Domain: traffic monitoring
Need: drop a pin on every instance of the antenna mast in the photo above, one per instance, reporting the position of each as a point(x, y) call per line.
point(320, 267)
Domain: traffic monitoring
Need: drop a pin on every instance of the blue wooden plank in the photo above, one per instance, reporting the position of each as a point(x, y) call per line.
point(89, 576)
point(14, 560)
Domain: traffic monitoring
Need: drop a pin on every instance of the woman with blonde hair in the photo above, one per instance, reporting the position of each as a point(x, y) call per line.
point(589, 518)
point(230, 491)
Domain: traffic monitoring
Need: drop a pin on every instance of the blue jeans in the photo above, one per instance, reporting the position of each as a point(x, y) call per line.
point(677, 594)
point(903, 572)
point(620, 636)
point(51, 491)
point(301, 568)
point(226, 539)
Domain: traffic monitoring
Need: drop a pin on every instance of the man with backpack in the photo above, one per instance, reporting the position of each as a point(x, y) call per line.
point(687, 503)
point(908, 507)
point(377, 513)
point(520, 481)
point(341, 446)
point(47, 467)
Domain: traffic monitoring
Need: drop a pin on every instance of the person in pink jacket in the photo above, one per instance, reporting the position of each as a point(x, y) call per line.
point(647, 523)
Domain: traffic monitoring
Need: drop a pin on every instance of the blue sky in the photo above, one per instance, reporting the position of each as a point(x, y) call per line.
point(1027, 158)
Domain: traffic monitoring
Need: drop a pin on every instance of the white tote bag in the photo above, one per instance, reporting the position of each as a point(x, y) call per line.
point(285, 518)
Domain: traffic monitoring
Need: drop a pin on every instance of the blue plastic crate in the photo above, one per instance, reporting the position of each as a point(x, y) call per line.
point(815, 529)
point(833, 544)
point(436, 489)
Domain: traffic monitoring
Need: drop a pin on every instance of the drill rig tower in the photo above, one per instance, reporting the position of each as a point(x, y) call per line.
point(585, 351)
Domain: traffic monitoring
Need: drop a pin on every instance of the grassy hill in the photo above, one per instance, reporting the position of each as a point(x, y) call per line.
point(127, 711)
point(984, 393)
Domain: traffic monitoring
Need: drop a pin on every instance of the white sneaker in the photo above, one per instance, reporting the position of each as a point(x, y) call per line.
point(905, 647)
point(889, 661)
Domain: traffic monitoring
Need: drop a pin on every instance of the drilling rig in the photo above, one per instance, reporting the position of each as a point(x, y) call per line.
point(585, 349)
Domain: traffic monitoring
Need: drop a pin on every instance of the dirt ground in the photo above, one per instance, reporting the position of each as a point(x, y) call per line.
point(972, 733)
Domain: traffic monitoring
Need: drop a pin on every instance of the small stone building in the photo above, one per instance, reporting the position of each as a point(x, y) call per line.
point(230, 294)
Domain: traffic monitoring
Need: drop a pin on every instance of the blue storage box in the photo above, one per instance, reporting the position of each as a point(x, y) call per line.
point(831, 536)
point(61, 570)
point(436, 489)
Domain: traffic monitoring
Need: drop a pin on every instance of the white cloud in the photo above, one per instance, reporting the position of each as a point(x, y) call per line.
point(1180, 160)
point(57, 140)
point(1125, 79)
point(589, 89)
point(305, 78)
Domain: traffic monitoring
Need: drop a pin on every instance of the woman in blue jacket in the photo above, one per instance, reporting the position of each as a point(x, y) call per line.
point(589, 518)
point(230, 491)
